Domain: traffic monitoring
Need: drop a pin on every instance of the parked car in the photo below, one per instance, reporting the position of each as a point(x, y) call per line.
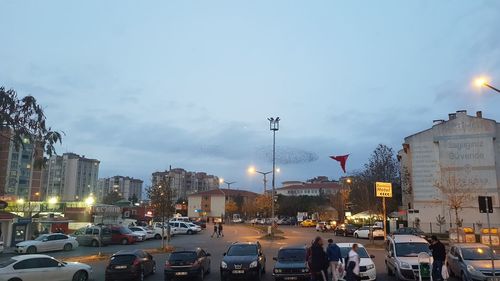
point(201, 223)
point(47, 243)
point(142, 231)
point(243, 260)
point(130, 265)
point(472, 261)
point(122, 235)
point(291, 264)
point(369, 231)
point(91, 236)
point(284, 221)
point(367, 270)
point(345, 230)
point(410, 231)
point(43, 267)
point(402, 256)
point(184, 219)
point(187, 264)
point(180, 227)
point(308, 223)
point(159, 231)
point(1, 247)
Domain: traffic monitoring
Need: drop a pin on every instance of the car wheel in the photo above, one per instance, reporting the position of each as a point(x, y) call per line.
point(94, 243)
point(189, 232)
point(157, 236)
point(124, 241)
point(68, 247)
point(31, 250)
point(356, 236)
point(201, 275)
point(80, 276)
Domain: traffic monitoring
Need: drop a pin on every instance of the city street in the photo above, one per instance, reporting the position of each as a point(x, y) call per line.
point(217, 246)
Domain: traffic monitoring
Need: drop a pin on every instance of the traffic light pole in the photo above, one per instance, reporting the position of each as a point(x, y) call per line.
point(489, 234)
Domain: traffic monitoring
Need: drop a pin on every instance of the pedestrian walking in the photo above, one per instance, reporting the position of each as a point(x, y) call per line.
point(220, 231)
point(438, 256)
point(352, 264)
point(334, 255)
point(319, 261)
point(216, 231)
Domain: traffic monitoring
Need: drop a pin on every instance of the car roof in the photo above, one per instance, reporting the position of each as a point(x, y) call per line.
point(298, 247)
point(245, 243)
point(24, 257)
point(408, 238)
point(469, 245)
point(349, 245)
point(128, 252)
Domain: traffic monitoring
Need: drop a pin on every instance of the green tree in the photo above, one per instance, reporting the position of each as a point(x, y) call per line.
point(112, 198)
point(133, 199)
point(22, 120)
point(161, 196)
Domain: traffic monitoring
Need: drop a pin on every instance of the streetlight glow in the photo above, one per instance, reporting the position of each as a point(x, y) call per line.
point(53, 200)
point(480, 81)
point(251, 169)
point(20, 201)
point(90, 200)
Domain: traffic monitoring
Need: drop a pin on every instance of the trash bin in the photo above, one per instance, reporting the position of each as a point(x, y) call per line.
point(424, 266)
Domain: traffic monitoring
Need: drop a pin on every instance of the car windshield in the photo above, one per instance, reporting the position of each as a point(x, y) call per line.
point(41, 237)
point(122, 259)
point(6, 262)
point(135, 229)
point(411, 249)
point(479, 253)
point(344, 251)
point(242, 250)
point(292, 255)
point(125, 230)
point(182, 256)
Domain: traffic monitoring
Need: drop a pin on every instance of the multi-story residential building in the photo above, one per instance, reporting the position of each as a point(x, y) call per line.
point(184, 183)
point(20, 169)
point(126, 187)
point(313, 187)
point(454, 157)
point(212, 203)
point(70, 177)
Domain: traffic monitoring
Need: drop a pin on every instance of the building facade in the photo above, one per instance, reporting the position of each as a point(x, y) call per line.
point(70, 177)
point(310, 188)
point(212, 203)
point(455, 157)
point(126, 187)
point(184, 183)
point(20, 169)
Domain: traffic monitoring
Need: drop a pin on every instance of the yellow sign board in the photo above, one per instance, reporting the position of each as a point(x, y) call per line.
point(383, 189)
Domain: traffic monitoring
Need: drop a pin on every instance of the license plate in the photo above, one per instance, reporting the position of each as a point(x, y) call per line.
point(493, 279)
point(181, 273)
point(120, 267)
point(290, 278)
point(238, 271)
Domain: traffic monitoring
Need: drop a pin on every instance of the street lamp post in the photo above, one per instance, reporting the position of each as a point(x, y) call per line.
point(229, 183)
point(482, 81)
point(253, 170)
point(274, 125)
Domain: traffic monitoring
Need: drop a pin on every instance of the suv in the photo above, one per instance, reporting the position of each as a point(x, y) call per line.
point(291, 264)
point(187, 263)
point(132, 265)
point(402, 256)
point(92, 236)
point(243, 260)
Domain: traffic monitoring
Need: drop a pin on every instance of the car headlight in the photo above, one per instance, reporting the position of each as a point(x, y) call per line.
point(305, 270)
point(471, 269)
point(370, 266)
point(277, 270)
point(253, 264)
point(405, 265)
point(223, 264)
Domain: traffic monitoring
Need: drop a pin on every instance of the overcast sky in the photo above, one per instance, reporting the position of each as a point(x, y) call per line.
point(141, 85)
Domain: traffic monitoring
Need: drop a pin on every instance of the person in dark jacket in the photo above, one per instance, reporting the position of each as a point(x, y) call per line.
point(334, 255)
point(220, 231)
point(319, 261)
point(438, 256)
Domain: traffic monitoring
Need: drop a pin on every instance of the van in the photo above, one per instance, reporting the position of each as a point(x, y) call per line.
point(184, 219)
point(401, 258)
point(93, 236)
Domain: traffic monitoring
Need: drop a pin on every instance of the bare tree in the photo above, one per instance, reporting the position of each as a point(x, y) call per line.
point(440, 221)
point(457, 193)
point(161, 196)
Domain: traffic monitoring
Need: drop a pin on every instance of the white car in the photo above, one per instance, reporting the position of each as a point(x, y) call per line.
point(364, 232)
point(1, 246)
point(146, 233)
point(180, 227)
point(43, 267)
point(46, 243)
point(158, 230)
point(367, 270)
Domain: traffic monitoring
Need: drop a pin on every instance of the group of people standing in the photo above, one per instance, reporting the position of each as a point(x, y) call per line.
point(320, 260)
point(218, 230)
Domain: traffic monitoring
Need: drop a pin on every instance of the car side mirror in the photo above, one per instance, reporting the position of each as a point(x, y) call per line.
point(391, 254)
point(224, 254)
point(60, 265)
point(372, 256)
point(208, 255)
point(275, 258)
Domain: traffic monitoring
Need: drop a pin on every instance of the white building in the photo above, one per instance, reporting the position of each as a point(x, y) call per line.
point(126, 187)
point(70, 177)
point(463, 148)
point(298, 188)
point(212, 203)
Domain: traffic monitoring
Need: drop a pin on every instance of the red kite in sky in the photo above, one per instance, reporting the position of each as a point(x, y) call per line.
point(342, 159)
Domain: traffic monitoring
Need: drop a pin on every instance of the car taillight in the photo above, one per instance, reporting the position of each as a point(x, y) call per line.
point(136, 262)
point(167, 264)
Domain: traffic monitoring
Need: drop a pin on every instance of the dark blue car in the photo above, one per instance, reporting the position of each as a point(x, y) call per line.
point(291, 264)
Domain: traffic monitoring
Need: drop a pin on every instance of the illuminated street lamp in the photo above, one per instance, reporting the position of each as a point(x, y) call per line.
point(274, 125)
point(483, 82)
point(20, 201)
point(252, 170)
point(89, 201)
point(53, 200)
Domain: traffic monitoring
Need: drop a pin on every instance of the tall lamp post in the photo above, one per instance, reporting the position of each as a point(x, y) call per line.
point(482, 81)
point(252, 170)
point(229, 184)
point(274, 125)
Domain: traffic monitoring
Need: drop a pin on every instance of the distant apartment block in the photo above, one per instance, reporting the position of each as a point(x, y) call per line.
point(70, 177)
point(185, 183)
point(20, 177)
point(126, 187)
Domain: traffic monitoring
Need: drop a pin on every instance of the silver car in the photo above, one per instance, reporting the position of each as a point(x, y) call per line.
point(472, 261)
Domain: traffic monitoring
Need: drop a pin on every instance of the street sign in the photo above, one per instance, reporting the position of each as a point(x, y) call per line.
point(383, 189)
point(485, 204)
point(3, 204)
